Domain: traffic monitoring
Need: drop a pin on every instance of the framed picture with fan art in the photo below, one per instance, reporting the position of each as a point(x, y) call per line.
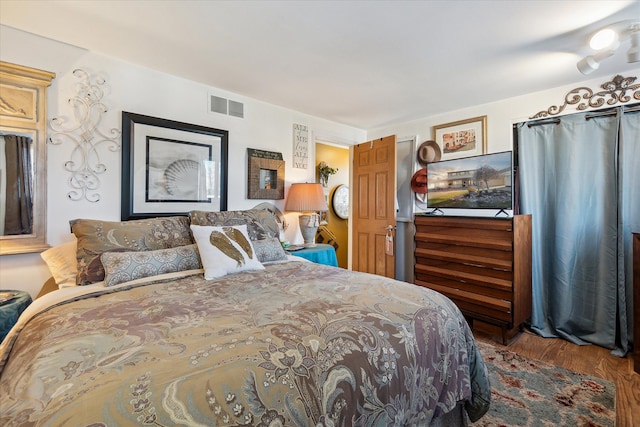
point(170, 168)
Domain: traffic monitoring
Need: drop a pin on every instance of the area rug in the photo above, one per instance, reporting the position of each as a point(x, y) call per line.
point(527, 392)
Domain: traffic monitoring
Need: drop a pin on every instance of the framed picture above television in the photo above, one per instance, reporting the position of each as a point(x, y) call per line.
point(477, 182)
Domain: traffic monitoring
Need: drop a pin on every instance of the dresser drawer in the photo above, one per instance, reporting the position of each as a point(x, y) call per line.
point(482, 264)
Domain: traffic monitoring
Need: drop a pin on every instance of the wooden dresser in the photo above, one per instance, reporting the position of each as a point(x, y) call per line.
point(482, 263)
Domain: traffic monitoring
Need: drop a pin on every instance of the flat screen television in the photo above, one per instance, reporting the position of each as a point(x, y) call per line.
point(478, 182)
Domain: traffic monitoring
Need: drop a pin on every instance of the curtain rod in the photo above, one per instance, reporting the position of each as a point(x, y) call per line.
point(608, 112)
point(613, 112)
point(601, 114)
point(555, 121)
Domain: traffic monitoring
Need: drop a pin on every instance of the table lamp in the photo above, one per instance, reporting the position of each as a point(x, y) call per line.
point(307, 198)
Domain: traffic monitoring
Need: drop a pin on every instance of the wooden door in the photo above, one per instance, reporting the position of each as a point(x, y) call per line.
point(373, 210)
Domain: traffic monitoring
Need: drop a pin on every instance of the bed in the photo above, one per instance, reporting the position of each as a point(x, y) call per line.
point(273, 340)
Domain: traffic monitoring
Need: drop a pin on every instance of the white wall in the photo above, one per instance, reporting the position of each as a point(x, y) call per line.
point(144, 91)
point(501, 115)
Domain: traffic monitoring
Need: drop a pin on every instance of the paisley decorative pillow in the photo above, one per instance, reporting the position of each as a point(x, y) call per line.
point(122, 267)
point(225, 250)
point(96, 237)
point(269, 249)
point(260, 222)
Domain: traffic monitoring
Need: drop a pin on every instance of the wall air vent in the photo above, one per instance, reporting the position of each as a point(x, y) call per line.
point(225, 106)
point(217, 104)
point(236, 109)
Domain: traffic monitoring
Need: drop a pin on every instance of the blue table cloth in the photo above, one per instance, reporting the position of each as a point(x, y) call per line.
point(11, 309)
point(321, 254)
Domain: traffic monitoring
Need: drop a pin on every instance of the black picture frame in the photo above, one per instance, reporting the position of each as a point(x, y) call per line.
point(170, 168)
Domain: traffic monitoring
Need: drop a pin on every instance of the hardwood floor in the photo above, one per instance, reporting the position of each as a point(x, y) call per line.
point(590, 360)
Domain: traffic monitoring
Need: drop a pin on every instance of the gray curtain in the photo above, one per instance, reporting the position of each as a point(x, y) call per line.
point(19, 197)
point(629, 189)
point(577, 180)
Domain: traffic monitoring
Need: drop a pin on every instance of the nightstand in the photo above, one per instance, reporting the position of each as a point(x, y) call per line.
point(11, 310)
point(321, 253)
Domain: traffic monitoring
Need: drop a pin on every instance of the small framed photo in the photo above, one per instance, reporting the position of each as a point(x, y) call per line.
point(170, 168)
point(463, 138)
point(265, 179)
point(324, 217)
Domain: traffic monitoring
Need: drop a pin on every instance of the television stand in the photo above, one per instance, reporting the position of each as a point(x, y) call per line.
point(482, 263)
point(502, 211)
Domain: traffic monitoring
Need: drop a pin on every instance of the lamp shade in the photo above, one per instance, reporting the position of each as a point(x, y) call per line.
point(305, 197)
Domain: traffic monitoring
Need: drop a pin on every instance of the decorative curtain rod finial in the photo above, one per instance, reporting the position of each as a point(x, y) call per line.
point(619, 90)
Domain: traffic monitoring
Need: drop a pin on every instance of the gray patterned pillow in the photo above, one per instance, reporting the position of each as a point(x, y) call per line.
point(96, 237)
point(260, 222)
point(121, 267)
point(269, 249)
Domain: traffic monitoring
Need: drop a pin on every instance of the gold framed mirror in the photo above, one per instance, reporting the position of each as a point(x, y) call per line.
point(23, 158)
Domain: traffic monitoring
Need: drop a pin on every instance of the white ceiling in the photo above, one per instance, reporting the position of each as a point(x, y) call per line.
point(363, 63)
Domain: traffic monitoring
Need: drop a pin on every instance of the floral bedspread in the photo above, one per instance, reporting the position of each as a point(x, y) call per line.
point(296, 344)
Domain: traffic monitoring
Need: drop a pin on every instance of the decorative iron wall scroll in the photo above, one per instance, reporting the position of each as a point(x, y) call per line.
point(85, 165)
point(618, 90)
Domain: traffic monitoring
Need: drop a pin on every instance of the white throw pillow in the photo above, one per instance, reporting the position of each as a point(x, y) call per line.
point(225, 250)
point(62, 262)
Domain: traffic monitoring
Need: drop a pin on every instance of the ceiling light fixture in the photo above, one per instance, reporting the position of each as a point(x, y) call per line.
point(607, 40)
point(603, 39)
point(589, 64)
point(633, 54)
